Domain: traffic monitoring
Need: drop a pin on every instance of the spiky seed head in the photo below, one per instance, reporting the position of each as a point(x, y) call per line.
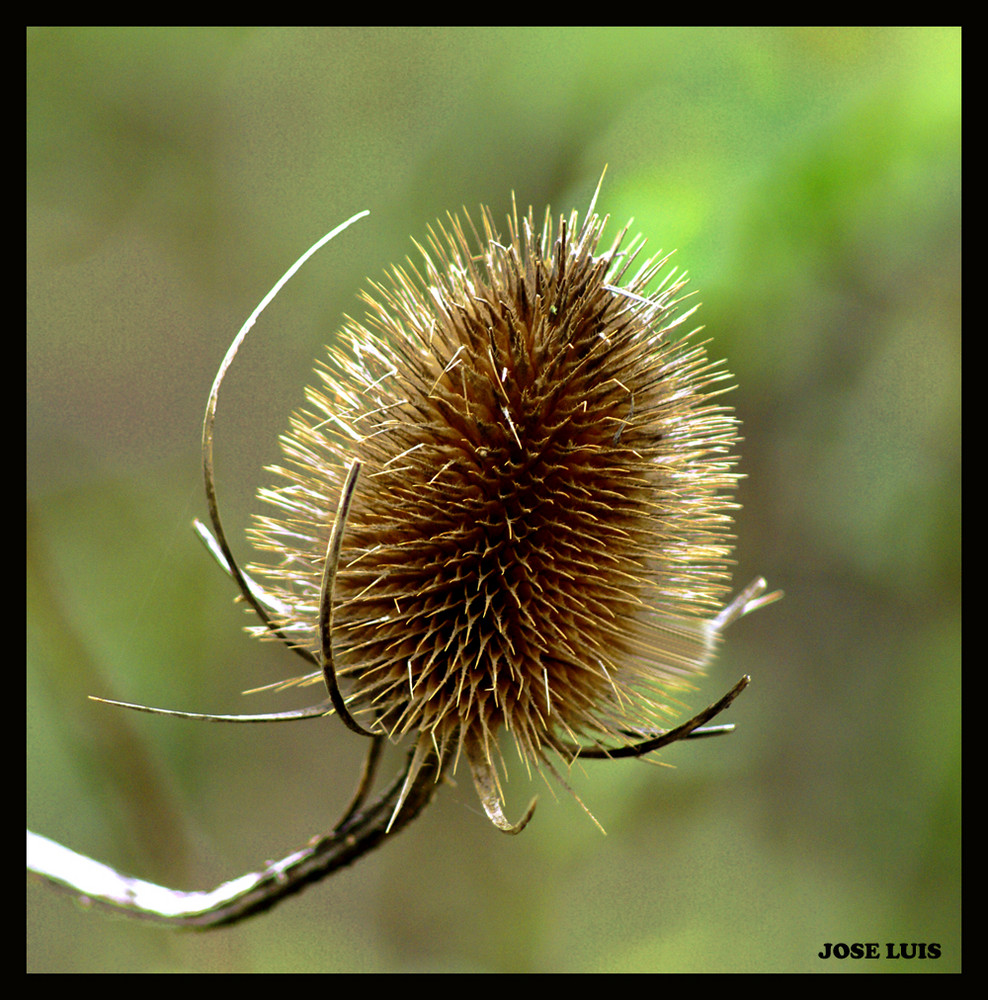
point(540, 530)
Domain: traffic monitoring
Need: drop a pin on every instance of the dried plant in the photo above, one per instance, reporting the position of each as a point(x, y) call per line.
point(506, 507)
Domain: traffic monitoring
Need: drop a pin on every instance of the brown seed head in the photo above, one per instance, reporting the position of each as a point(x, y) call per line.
point(540, 530)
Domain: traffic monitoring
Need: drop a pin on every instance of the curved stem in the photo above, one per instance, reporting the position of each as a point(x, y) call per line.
point(359, 833)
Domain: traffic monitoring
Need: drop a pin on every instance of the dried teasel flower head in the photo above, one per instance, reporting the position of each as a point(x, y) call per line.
point(538, 542)
point(539, 539)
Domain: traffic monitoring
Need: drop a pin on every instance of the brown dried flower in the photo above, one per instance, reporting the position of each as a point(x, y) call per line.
point(540, 534)
point(538, 542)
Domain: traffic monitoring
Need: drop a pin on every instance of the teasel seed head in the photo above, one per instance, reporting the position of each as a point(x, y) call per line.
point(539, 537)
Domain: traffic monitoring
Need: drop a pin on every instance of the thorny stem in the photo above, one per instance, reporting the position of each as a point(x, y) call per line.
point(360, 831)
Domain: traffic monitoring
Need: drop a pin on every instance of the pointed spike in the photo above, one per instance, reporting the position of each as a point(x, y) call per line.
point(750, 599)
point(268, 600)
point(422, 750)
point(555, 773)
point(312, 712)
point(485, 781)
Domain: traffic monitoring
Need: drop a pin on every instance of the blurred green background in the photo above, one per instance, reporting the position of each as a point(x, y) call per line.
point(809, 180)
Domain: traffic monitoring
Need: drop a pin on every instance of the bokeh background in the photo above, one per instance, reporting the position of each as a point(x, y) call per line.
point(809, 180)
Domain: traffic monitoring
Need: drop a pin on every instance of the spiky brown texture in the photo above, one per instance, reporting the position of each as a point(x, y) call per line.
point(541, 520)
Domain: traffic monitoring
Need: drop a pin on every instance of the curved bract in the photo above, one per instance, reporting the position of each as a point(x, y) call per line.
point(506, 509)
